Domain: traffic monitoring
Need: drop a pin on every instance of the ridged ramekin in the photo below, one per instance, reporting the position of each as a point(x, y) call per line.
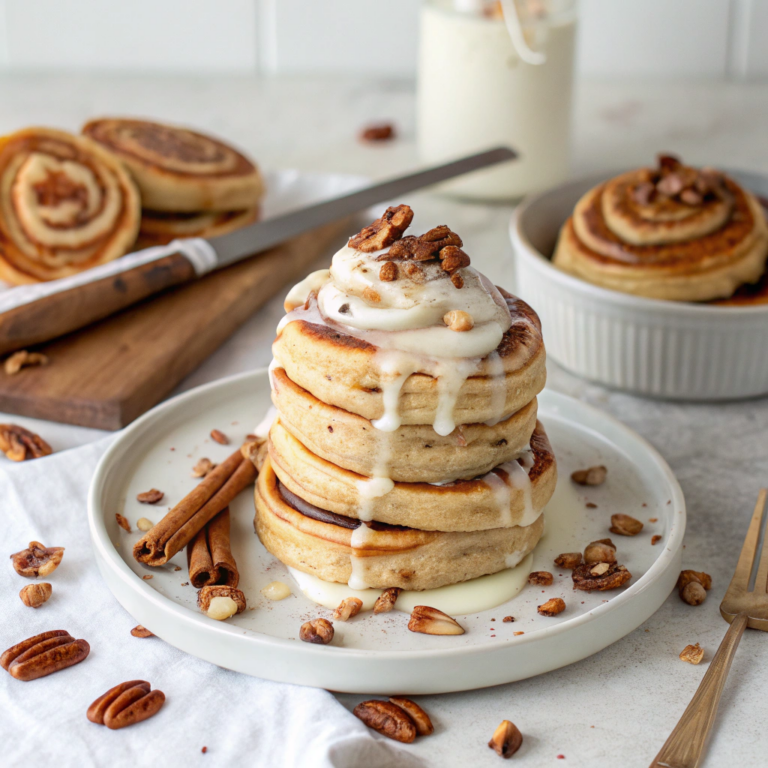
point(646, 346)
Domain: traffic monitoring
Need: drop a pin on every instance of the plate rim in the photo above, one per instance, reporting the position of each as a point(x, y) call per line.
point(109, 554)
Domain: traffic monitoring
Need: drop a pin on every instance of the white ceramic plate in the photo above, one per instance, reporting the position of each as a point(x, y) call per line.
point(378, 653)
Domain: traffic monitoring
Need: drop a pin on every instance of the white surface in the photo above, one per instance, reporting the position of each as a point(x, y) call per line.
point(634, 691)
point(379, 652)
point(655, 38)
point(660, 348)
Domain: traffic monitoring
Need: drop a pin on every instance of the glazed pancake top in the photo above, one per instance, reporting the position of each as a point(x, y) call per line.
point(66, 205)
point(675, 223)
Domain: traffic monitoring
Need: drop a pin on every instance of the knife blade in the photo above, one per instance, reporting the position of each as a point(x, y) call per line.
point(53, 310)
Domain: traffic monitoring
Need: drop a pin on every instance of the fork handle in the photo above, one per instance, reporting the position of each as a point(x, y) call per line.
point(686, 744)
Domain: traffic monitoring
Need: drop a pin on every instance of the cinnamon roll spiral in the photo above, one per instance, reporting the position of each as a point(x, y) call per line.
point(66, 205)
point(180, 170)
point(673, 233)
point(160, 227)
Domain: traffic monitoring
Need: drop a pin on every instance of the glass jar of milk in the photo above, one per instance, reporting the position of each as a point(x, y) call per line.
point(475, 92)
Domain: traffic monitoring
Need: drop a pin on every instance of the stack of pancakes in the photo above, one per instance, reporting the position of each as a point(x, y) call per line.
point(351, 495)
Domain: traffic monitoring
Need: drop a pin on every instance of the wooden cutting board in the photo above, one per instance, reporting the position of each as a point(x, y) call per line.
point(108, 374)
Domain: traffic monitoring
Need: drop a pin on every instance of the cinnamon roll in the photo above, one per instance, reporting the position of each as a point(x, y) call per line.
point(66, 205)
point(674, 232)
point(160, 227)
point(180, 170)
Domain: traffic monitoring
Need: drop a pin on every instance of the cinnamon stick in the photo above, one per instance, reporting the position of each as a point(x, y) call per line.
point(209, 555)
point(195, 511)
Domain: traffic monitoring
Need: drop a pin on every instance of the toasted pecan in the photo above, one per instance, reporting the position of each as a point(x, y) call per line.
point(614, 577)
point(37, 560)
point(384, 231)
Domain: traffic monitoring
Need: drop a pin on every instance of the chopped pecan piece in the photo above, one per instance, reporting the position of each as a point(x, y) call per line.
point(43, 655)
point(430, 621)
point(382, 132)
point(319, 631)
point(123, 522)
point(655, 539)
point(506, 739)
point(540, 578)
point(37, 560)
point(34, 595)
point(552, 607)
point(219, 437)
point(453, 258)
point(349, 607)
point(440, 237)
point(591, 476)
point(371, 296)
point(22, 359)
point(386, 600)
point(384, 231)
point(152, 496)
point(19, 444)
point(140, 631)
point(692, 654)
point(458, 320)
point(568, 560)
point(388, 272)
point(220, 601)
point(388, 719)
point(687, 576)
point(414, 272)
point(693, 593)
point(420, 718)
point(625, 525)
point(601, 551)
point(508, 619)
point(615, 577)
point(126, 704)
point(203, 467)
point(457, 280)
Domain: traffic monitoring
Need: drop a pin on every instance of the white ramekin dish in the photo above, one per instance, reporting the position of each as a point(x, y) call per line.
point(646, 346)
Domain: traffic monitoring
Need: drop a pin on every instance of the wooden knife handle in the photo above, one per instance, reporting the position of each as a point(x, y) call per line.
point(60, 313)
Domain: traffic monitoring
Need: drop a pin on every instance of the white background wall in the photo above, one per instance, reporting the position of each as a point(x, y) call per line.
point(643, 38)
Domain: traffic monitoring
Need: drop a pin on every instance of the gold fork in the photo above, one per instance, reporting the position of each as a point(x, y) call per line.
point(686, 744)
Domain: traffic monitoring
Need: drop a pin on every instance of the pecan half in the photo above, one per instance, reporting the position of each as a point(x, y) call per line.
point(384, 231)
point(152, 496)
point(552, 607)
point(22, 359)
point(19, 444)
point(692, 654)
point(430, 621)
point(34, 595)
point(220, 601)
point(319, 631)
point(38, 560)
point(219, 437)
point(140, 631)
point(386, 600)
point(349, 607)
point(388, 719)
point(615, 577)
point(540, 578)
point(506, 739)
point(420, 718)
point(43, 655)
point(203, 467)
point(625, 525)
point(126, 704)
point(600, 551)
point(568, 560)
point(591, 476)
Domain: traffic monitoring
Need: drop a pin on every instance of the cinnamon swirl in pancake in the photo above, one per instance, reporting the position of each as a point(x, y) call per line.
point(331, 546)
point(673, 233)
point(66, 205)
point(526, 485)
point(160, 227)
point(180, 170)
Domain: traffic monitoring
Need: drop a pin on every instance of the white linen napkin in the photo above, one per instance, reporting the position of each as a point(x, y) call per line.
point(243, 721)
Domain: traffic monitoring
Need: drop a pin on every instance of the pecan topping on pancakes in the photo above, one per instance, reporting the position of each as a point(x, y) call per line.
point(679, 182)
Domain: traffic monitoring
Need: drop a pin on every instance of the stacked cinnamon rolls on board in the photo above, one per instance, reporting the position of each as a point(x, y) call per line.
point(406, 450)
point(69, 203)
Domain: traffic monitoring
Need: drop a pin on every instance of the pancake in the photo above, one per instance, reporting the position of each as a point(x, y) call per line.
point(66, 205)
point(416, 452)
point(503, 498)
point(160, 227)
point(699, 238)
point(180, 170)
point(342, 370)
point(384, 557)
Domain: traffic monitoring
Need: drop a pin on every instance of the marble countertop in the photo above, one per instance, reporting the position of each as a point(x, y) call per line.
point(617, 707)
